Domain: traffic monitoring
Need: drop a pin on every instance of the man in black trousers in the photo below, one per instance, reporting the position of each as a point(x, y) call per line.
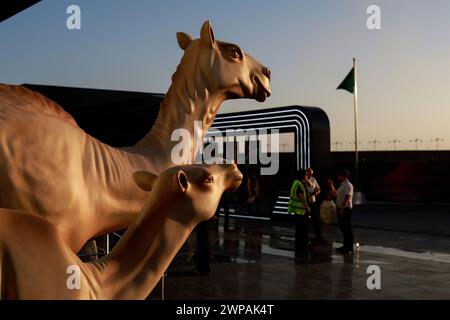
point(313, 190)
point(344, 208)
point(202, 266)
point(298, 205)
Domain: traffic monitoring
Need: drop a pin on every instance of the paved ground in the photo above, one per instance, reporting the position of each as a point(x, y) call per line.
point(255, 260)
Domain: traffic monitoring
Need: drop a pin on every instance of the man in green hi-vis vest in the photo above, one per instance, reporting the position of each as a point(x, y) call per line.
point(298, 205)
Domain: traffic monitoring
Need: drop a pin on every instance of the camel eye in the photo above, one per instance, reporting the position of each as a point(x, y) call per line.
point(235, 53)
point(210, 179)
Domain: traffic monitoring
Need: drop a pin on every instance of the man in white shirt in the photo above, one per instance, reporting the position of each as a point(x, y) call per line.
point(344, 205)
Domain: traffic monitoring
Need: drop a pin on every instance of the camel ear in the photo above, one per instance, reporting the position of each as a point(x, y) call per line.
point(184, 40)
point(144, 179)
point(207, 34)
point(182, 181)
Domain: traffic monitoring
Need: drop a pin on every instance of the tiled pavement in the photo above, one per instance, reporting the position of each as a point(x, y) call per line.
point(254, 260)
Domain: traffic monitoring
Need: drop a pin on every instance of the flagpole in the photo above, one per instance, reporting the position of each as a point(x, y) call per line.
point(355, 101)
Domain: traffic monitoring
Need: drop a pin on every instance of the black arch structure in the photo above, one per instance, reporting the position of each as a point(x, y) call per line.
point(310, 126)
point(311, 129)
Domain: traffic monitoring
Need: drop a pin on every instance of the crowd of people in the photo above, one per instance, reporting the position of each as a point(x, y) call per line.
point(306, 198)
point(304, 203)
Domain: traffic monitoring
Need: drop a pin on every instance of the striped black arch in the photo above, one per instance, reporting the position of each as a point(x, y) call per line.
point(289, 119)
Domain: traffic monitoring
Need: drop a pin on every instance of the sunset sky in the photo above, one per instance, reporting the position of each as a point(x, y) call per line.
point(404, 68)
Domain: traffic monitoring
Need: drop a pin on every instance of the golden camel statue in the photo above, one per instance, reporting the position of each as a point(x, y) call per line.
point(35, 259)
point(52, 168)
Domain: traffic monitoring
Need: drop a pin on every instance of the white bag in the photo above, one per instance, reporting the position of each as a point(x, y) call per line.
point(327, 211)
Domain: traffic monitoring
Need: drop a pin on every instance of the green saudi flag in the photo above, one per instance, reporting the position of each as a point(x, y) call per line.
point(349, 82)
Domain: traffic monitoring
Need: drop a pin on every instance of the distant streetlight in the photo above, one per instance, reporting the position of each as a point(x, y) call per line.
point(374, 142)
point(336, 145)
point(437, 140)
point(394, 142)
point(416, 142)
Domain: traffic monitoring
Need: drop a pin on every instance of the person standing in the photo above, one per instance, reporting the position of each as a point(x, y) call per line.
point(202, 262)
point(344, 207)
point(313, 189)
point(253, 193)
point(298, 205)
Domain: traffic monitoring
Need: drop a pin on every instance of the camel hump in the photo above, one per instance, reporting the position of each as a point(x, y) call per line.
point(24, 99)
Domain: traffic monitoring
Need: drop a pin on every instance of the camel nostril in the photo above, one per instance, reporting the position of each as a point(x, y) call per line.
point(266, 71)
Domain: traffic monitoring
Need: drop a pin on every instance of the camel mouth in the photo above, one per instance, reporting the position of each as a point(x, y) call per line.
point(236, 178)
point(234, 185)
point(261, 91)
point(235, 173)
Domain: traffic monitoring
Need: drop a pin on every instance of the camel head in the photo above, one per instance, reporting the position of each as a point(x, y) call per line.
point(223, 67)
point(191, 192)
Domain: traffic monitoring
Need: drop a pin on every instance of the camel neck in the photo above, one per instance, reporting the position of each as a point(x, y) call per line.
point(188, 100)
point(140, 258)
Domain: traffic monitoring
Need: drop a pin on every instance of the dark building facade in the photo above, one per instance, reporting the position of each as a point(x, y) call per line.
point(118, 118)
point(400, 176)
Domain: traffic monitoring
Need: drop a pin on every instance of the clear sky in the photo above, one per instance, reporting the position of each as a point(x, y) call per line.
point(404, 68)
